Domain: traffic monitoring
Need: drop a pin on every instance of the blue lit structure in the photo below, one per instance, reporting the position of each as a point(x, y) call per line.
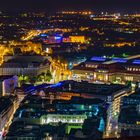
point(96, 110)
point(20, 114)
point(137, 61)
point(33, 89)
point(56, 85)
point(120, 60)
point(43, 35)
point(102, 125)
point(29, 90)
point(98, 59)
point(58, 37)
point(42, 86)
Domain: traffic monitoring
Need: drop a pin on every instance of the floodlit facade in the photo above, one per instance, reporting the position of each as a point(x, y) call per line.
point(56, 118)
point(115, 70)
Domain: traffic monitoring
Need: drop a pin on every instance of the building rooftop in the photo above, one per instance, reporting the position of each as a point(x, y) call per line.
point(70, 86)
point(111, 64)
point(79, 100)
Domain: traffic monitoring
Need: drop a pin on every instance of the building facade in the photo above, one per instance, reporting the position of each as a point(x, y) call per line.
point(115, 70)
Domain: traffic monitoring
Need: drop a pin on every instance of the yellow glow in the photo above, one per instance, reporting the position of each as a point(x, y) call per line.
point(77, 39)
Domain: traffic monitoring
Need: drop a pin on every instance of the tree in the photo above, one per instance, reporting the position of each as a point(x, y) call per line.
point(45, 76)
point(128, 83)
point(23, 79)
point(48, 76)
point(41, 77)
point(33, 79)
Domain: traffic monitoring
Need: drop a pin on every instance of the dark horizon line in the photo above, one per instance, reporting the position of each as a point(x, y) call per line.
point(95, 10)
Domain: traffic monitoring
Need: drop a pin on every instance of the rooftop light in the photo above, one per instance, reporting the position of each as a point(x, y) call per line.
point(98, 59)
point(137, 61)
point(121, 60)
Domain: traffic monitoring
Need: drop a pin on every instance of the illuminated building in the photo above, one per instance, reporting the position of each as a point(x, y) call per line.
point(109, 93)
point(23, 65)
point(18, 69)
point(115, 70)
point(75, 39)
point(32, 33)
point(95, 101)
point(53, 40)
point(73, 113)
point(129, 118)
point(56, 118)
point(87, 90)
point(59, 39)
point(119, 44)
point(113, 114)
point(77, 12)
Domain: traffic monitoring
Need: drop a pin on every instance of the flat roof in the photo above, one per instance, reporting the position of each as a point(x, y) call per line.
point(85, 87)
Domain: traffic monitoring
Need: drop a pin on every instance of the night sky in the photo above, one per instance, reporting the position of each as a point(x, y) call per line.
point(50, 5)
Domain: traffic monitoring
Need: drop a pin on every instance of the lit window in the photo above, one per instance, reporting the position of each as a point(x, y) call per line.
point(129, 78)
